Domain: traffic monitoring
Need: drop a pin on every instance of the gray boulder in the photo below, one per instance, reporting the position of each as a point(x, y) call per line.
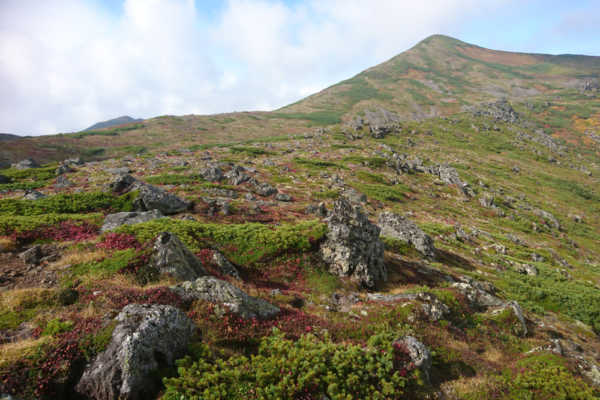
point(283, 197)
point(520, 329)
point(431, 307)
point(318, 209)
point(212, 173)
point(26, 164)
point(262, 189)
point(236, 175)
point(63, 169)
point(217, 291)
point(225, 265)
point(526, 269)
point(33, 255)
point(113, 221)
point(398, 227)
point(352, 246)
point(33, 195)
point(480, 295)
point(171, 257)
point(449, 176)
point(123, 183)
point(500, 110)
point(153, 198)
point(380, 122)
point(62, 182)
point(548, 217)
point(145, 339)
point(417, 352)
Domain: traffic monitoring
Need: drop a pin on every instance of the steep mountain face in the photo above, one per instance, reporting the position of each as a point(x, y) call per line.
point(113, 122)
point(427, 229)
point(442, 75)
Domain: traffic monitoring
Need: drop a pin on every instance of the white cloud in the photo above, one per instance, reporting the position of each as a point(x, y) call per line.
point(67, 64)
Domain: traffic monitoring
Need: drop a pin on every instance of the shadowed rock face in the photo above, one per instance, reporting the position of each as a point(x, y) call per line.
point(398, 227)
point(146, 338)
point(113, 221)
point(418, 353)
point(171, 257)
point(352, 247)
point(218, 291)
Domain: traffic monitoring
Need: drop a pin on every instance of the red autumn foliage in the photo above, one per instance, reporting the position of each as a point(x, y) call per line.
point(119, 241)
point(65, 231)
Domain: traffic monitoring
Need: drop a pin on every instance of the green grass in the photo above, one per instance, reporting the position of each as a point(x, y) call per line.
point(317, 117)
point(75, 203)
point(395, 193)
point(245, 244)
point(173, 179)
point(20, 223)
point(108, 132)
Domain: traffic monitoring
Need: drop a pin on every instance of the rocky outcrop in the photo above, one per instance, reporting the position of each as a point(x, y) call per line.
point(380, 122)
point(352, 246)
point(411, 354)
point(262, 188)
point(226, 266)
point(236, 175)
point(26, 164)
point(145, 339)
point(500, 110)
point(171, 257)
point(403, 164)
point(520, 328)
point(217, 291)
point(33, 195)
point(398, 227)
point(450, 176)
point(549, 219)
point(480, 295)
point(149, 197)
point(113, 221)
point(63, 169)
point(153, 198)
point(212, 173)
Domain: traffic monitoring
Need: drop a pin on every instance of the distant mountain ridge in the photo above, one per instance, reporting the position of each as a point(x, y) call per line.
point(125, 119)
point(9, 136)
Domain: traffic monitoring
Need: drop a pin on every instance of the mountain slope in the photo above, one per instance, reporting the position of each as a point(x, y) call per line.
point(450, 257)
point(113, 122)
point(441, 75)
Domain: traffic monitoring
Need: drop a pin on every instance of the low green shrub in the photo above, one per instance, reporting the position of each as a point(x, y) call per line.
point(544, 376)
point(173, 179)
point(395, 193)
point(20, 223)
point(286, 369)
point(68, 204)
point(316, 163)
point(251, 151)
point(57, 326)
point(243, 243)
point(27, 179)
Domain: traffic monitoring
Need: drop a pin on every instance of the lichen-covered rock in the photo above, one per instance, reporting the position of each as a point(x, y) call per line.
point(63, 169)
point(548, 217)
point(225, 265)
point(113, 221)
point(352, 246)
point(398, 227)
point(33, 255)
point(418, 354)
point(123, 183)
point(480, 295)
point(283, 197)
point(217, 291)
point(449, 176)
point(153, 198)
point(145, 339)
point(262, 189)
point(380, 122)
point(500, 110)
point(526, 269)
point(520, 329)
point(33, 195)
point(171, 257)
point(236, 175)
point(431, 307)
point(212, 173)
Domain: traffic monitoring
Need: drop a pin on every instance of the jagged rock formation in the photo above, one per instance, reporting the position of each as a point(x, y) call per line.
point(380, 122)
point(113, 221)
point(226, 267)
point(480, 295)
point(171, 257)
point(352, 247)
point(146, 338)
point(398, 227)
point(221, 292)
point(500, 110)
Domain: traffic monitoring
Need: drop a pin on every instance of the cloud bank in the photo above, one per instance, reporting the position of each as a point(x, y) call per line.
point(66, 64)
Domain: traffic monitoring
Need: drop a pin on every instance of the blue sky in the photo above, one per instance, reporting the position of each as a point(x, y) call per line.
point(66, 64)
